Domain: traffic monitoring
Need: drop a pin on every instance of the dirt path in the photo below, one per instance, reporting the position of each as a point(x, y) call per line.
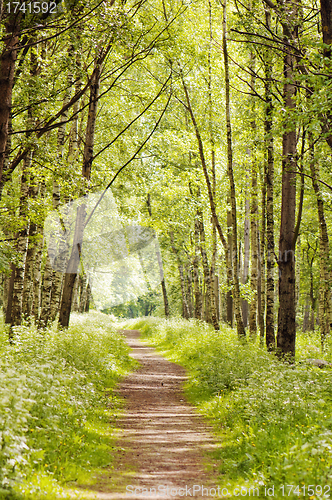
point(163, 440)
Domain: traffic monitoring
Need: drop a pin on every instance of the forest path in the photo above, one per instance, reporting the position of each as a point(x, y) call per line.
point(163, 441)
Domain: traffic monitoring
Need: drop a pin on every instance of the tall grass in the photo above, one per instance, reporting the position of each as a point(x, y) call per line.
point(274, 419)
point(56, 404)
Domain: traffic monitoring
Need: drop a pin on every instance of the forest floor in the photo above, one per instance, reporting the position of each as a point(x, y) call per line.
point(165, 447)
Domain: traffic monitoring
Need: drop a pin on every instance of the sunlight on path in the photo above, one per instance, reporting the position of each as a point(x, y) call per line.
point(162, 439)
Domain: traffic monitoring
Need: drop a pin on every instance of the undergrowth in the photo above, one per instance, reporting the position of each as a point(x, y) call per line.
point(57, 406)
point(274, 419)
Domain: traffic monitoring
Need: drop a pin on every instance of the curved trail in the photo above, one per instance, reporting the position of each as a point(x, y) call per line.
point(162, 439)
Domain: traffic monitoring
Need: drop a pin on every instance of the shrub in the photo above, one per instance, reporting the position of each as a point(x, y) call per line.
point(274, 419)
point(55, 386)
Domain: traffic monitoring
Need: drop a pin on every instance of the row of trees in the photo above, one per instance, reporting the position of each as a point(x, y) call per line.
point(210, 121)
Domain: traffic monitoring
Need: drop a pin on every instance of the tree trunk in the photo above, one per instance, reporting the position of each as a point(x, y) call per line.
point(306, 316)
point(83, 293)
point(324, 253)
point(75, 305)
point(21, 248)
point(7, 68)
point(74, 259)
point(27, 300)
point(189, 289)
point(197, 288)
point(245, 273)
point(46, 290)
point(236, 289)
point(185, 307)
point(36, 289)
point(32, 263)
point(269, 179)
point(163, 284)
point(286, 316)
point(326, 18)
point(261, 290)
point(88, 298)
point(229, 269)
point(254, 254)
point(160, 264)
point(211, 315)
point(8, 316)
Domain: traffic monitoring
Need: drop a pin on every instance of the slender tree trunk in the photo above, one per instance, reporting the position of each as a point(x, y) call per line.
point(262, 266)
point(88, 298)
point(211, 315)
point(74, 259)
point(8, 317)
point(326, 18)
point(286, 316)
point(83, 294)
point(236, 290)
point(185, 306)
point(36, 289)
point(324, 253)
point(163, 284)
point(306, 315)
point(189, 289)
point(214, 281)
point(229, 268)
point(7, 68)
point(160, 264)
point(245, 273)
point(30, 264)
point(6, 281)
point(253, 218)
point(46, 290)
point(21, 248)
point(254, 254)
point(75, 305)
point(197, 288)
point(269, 179)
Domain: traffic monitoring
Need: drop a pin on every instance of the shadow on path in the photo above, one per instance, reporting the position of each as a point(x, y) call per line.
point(162, 438)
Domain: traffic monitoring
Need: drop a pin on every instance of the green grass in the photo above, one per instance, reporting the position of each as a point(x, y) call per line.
point(274, 420)
point(57, 406)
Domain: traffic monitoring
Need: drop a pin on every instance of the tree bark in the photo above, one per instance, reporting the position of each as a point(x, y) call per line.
point(160, 265)
point(269, 180)
point(185, 307)
point(324, 253)
point(46, 290)
point(229, 269)
point(197, 287)
point(21, 248)
point(83, 293)
point(236, 289)
point(326, 18)
point(286, 317)
point(254, 254)
point(30, 264)
point(74, 259)
point(246, 254)
point(211, 315)
point(7, 68)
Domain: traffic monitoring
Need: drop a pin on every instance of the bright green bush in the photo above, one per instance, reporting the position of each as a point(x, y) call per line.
point(274, 419)
point(55, 394)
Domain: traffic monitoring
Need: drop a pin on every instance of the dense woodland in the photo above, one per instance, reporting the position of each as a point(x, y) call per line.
point(209, 121)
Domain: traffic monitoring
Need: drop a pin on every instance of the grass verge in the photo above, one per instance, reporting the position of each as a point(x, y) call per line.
point(57, 406)
point(274, 420)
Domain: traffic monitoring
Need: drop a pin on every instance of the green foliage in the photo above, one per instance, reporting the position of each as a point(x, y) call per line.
point(273, 419)
point(56, 402)
point(143, 306)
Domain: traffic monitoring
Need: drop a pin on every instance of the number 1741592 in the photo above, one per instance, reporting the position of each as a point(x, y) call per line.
point(31, 7)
